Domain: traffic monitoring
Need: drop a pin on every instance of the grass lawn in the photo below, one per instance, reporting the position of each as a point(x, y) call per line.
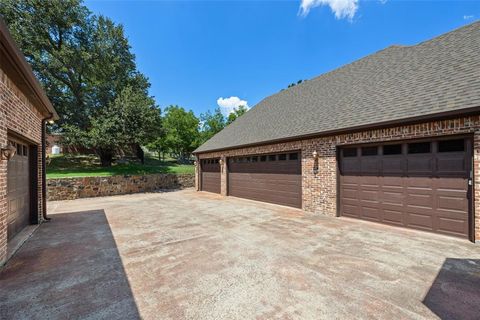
point(69, 166)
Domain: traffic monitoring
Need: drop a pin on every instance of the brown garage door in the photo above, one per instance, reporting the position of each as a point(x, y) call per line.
point(210, 175)
point(274, 178)
point(419, 184)
point(18, 186)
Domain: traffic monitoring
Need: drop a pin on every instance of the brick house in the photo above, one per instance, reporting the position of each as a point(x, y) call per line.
point(24, 111)
point(392, 138)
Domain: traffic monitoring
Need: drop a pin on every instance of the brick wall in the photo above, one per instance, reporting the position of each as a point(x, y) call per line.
point(74, 188)
point(17, 115)
point(319, 186)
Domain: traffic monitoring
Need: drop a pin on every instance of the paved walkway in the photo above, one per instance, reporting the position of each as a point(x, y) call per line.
point(188, 255)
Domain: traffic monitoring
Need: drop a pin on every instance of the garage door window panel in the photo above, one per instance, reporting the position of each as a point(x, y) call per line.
point(393, 161)
point(350, 163)
point(369, 162)
point(451, 158)
point(419, 147)
point(457, 145)
point(392, 149)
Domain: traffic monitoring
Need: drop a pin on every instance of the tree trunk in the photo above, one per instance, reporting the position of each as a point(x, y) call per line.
point(140, 153)
point(106, 158)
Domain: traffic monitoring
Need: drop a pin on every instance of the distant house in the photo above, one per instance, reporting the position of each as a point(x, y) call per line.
point(24, 111)
point(54, 144)
point(392, 138)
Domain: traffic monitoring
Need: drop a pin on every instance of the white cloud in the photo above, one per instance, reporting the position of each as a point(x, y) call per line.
point(227, 105)
point(341, 8)
point(468, 17)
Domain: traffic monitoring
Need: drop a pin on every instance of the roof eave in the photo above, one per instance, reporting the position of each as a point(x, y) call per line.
point(380, 125)
point(24, 69)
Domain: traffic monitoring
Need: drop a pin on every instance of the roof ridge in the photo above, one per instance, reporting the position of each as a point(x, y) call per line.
point(444, 35)
point(390, 47)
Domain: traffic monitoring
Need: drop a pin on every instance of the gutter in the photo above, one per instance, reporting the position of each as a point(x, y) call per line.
point(44, 166)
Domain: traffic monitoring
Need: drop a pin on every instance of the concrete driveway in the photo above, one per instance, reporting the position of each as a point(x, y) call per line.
point(188, 255)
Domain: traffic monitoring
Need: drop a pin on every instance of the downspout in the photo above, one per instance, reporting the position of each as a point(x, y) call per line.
point(44, 166)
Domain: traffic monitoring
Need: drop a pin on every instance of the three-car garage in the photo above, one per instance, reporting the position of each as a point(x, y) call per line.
point(392, 138)
point(422, 184)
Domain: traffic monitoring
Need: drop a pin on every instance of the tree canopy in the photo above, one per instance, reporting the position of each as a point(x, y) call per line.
point(181, 132)
point(211, 124)
point(237, 112)
point(85, 64)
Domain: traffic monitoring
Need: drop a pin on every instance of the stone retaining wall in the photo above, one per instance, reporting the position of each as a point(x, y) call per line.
point(74, 188)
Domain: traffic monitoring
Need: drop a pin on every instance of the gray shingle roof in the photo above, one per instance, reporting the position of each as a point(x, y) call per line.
point(394, 84)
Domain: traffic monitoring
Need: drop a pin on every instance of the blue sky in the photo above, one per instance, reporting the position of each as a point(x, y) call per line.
point(195, 52)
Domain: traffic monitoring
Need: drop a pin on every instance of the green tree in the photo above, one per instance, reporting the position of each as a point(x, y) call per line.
point(84, 63)
point(159, 146)
point(181, 132)
point(55, 37)
point(140, 118)
point(294, 84)
point(132, 119)
point(81, 59)
point(211, 124)
point(237, 112)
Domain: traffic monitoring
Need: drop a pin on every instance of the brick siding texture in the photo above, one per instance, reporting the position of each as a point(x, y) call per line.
point(17, 115)
point(74, 188)
point(319, 178)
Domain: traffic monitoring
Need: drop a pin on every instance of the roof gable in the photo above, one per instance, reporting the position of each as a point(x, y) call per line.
point(398, 83)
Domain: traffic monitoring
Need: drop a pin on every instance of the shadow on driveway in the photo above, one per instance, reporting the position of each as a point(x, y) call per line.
point(69, 269)
point(455, 293)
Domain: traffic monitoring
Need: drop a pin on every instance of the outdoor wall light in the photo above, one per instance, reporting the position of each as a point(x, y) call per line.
point(315, 162)
point(221, 162)
point(51, 121)
point(8, 152)
point(195, 163)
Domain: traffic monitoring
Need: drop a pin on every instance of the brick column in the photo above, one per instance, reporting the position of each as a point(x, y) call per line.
point(319, 177)
point(3, 190)
point(223, 176)
point(476, 176)
point(197, 173)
